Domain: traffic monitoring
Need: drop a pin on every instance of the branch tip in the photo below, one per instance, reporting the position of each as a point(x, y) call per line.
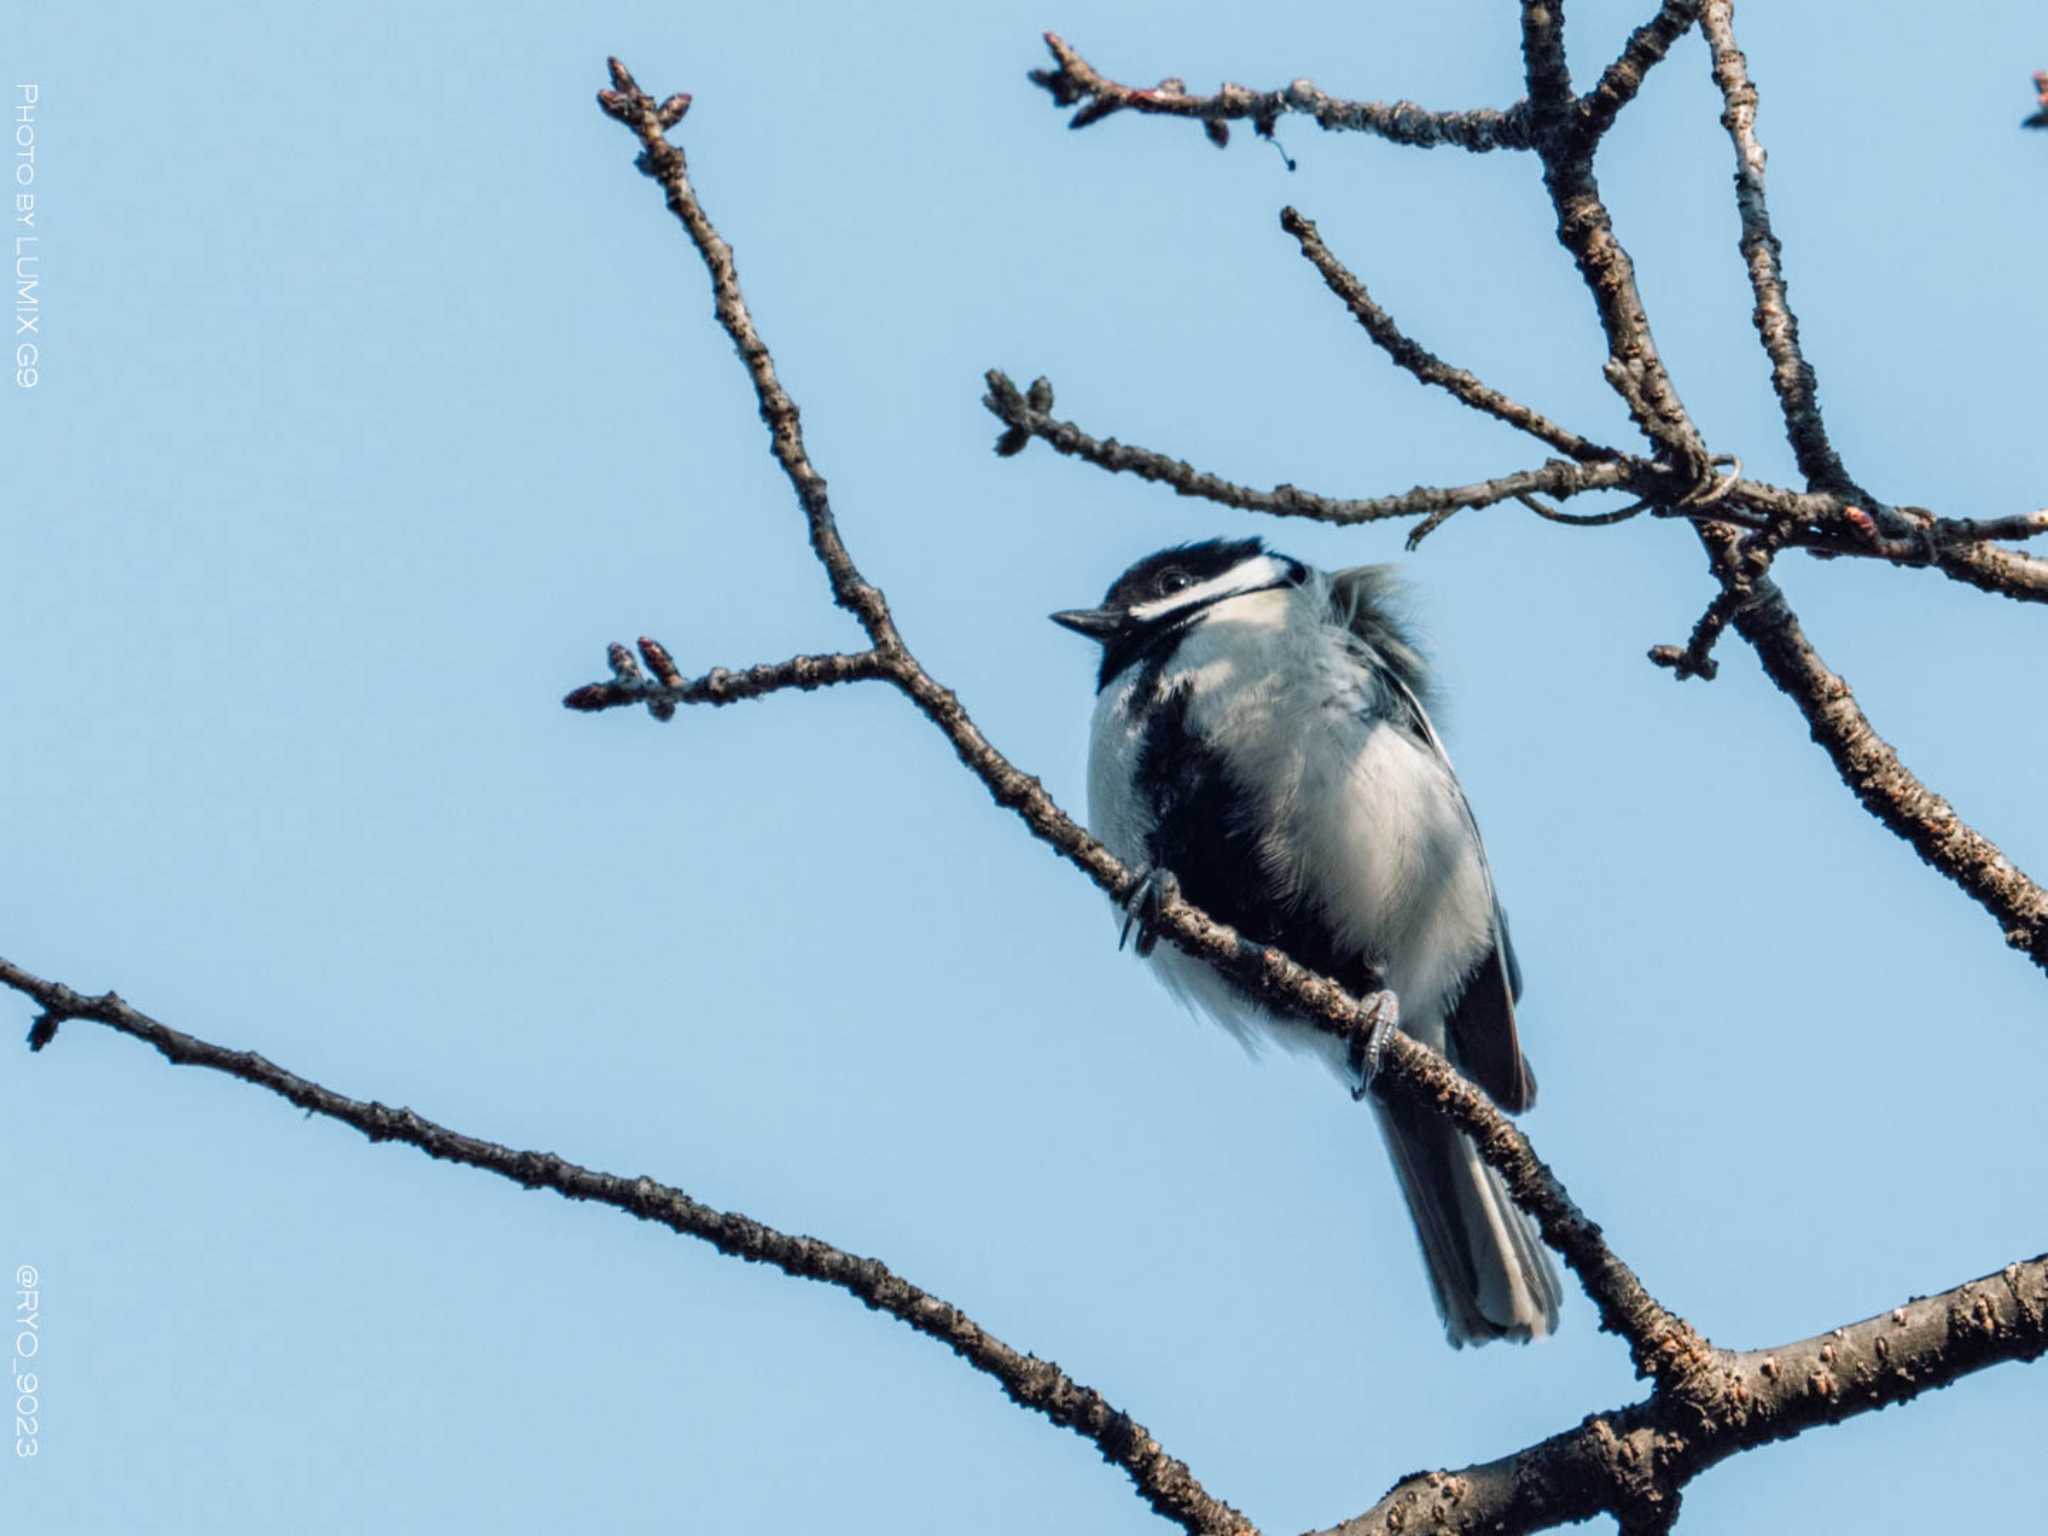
point(660, 662)
point(1417, 359)
point(624, 668)
point(1402, 122)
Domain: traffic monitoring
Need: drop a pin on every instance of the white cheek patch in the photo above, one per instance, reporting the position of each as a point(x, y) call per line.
point(1247, 576)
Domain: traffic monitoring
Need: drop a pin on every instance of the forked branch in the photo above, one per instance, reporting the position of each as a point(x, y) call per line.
point(668, 687)
point(1741, 524)
point(1776, 326)
point(1028, 415)
point(1419, 360)
point(1632, 1461)
point(1621, 80)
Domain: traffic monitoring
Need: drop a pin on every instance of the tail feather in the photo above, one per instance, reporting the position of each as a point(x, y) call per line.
point(1488, 1269)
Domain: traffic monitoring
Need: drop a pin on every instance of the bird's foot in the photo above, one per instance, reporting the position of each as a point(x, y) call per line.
point(1367, 1049)
point(1148, 898)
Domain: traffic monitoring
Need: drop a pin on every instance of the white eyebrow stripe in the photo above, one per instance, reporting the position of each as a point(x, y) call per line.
point(1249, 576)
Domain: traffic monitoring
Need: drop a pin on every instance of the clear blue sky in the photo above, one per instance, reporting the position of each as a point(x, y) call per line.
point(380, 393)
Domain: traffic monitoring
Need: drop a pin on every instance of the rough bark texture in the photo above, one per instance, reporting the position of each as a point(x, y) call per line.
point(1037, 1384)
point(1075, 83)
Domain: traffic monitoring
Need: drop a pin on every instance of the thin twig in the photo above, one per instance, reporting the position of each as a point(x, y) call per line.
point(1819, 523)
point(1026, 420)
point(1778, 328)
point(1696, 657)
point(1076, 83)
point(1634, 368)
point(1742, 567)
point(1645, 49)
point(2003, 571)
point(719, 686)
point(650, 122)
point(1552, 514)
point(1040, 1385)
point(1963, 530)
point(1419, 360)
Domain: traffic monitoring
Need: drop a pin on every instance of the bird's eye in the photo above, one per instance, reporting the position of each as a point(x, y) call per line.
point(1174, 581)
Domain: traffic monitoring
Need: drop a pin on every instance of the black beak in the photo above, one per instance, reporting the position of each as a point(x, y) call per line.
point(1095, 623)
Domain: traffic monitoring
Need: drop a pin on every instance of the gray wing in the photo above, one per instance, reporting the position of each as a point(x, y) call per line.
point(1483, 1039)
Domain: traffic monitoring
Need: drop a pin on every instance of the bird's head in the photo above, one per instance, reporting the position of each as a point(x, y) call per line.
point(1166, 591)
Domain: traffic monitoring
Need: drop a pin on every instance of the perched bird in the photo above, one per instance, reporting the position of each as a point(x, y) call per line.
point(1260, 734)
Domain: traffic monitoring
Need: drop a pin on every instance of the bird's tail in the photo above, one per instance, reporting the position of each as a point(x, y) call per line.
point(1490, 1273)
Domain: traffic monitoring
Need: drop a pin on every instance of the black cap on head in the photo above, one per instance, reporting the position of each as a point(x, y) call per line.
point(1184, 565)
point(1155, 579)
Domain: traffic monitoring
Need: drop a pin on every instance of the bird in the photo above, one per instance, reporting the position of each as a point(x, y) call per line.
point(1261, 740)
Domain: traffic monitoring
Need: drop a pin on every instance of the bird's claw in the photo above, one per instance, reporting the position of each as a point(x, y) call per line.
point(1368, 1049)
point(1155, 888)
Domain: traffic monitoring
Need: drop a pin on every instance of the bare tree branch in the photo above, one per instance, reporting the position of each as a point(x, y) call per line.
point(1632, 1461)
point(1645, 49)
point(1778, 328)
point(661, 160)
point(1707, 1404)
point(1419, 360)
point(1031, 416)
point(1867, 764)
point(2003, 571)
point(1950, 531)
point(1077, 83)
point(718, 686)
point(1840, 525)
point(1696, 657)
point(1885, 786)
point(1039, 1385)
point(1567, 130)
point(1742, 566)
point(1819, 523)
point(1830, 525)
point(1634, 369)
